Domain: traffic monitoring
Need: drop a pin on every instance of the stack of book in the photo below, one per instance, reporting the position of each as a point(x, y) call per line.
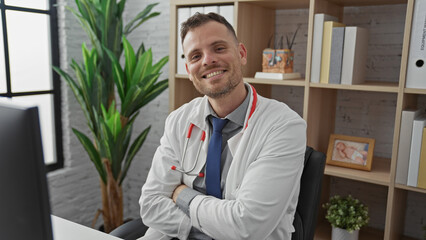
point(339, 52)
point(411, 162)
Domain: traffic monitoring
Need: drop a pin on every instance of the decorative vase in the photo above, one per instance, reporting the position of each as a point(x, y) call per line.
point(343, 234)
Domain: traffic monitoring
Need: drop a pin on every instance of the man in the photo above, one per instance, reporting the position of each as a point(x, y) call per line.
point(255, 186)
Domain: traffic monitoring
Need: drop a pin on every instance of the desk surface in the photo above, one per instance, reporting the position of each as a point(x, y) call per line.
point(67, 230)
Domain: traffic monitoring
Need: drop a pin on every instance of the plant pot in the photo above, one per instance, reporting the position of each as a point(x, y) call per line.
point(343, 234)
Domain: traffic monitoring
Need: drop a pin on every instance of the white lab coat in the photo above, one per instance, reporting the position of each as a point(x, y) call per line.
point(262, 185)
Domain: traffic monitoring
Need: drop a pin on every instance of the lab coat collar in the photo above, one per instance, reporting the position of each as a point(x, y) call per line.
point(199, 114)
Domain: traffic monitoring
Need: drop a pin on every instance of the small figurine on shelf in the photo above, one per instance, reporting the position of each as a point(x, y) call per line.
point(279, 60)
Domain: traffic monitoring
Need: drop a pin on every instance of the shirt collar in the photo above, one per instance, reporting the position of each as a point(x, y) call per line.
point(237, 116)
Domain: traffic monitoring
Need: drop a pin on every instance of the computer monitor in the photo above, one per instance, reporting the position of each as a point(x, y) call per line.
point(24, 200)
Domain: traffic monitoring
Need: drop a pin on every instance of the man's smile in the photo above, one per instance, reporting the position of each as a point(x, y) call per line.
point(212, 74)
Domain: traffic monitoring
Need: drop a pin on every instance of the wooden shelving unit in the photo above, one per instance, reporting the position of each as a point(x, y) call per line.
point(254, 22)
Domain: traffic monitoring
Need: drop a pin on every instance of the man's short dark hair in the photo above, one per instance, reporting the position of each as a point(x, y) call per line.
point(200, 18)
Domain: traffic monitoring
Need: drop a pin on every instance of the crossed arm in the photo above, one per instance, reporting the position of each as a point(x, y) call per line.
point(261, 199)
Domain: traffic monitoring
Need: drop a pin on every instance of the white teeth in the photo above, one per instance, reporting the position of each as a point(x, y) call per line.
point(214, 74)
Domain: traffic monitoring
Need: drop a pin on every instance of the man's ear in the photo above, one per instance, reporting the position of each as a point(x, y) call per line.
point(243, 53)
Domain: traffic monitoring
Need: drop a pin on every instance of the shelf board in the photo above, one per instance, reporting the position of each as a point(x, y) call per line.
point(323, 232)
point(367, 86)
point(288, 4)
point(279, 4)
point(200, 2)
point(185, 76)
point(379, 174)
point(415, 91)
point(293, 82)
point(413, 189)
point(347, 3)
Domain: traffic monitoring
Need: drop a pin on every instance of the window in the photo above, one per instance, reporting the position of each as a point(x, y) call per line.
point(28, 49)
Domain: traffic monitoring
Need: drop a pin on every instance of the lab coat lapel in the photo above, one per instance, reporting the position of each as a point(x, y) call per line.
point(234, 142)
point(197, 117)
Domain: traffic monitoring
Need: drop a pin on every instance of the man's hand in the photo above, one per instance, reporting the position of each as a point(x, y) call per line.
point(177, 192)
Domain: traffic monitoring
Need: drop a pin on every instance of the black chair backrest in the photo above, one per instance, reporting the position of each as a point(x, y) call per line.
point(310, 193)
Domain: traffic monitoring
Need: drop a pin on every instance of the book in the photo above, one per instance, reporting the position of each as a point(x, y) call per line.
point(404, 145)
point(317, 44)
point(416, 143)
point(227, 11)
point(326, 49)
point(336, 55)
point(416, 67)
point(421, 180)
point(182, 15)
point(354, 55)
point(278, 76)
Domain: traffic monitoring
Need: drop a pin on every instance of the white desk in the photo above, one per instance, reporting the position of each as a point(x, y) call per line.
point(67, 230)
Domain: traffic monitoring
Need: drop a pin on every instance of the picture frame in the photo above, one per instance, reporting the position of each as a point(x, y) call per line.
point(351, 152)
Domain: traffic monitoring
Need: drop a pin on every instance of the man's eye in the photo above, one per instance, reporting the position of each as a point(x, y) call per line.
point(220, 49)
point(195, 57)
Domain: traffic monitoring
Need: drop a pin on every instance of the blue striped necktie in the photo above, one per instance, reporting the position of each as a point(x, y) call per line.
point(214, 153)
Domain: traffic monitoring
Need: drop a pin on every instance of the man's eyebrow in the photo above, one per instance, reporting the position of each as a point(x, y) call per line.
point(218, 42)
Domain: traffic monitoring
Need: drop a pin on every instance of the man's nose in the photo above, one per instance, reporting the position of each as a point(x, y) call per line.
point(209, 59)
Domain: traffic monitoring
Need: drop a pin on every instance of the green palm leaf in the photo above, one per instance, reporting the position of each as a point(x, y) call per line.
point(141, 17)
point(159, 87)
point(137, 144)
point(143, 67)
point(159, 65)
point(86, 25)
point(130, 58)
point(93, 153)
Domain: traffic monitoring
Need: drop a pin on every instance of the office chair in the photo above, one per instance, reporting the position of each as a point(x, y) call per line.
point(305, 217)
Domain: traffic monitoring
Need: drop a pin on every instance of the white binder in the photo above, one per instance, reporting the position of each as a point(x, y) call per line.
point(194, 10)
point(209, 9)
point(183, 15)
point(416, 70)
point(227, 11)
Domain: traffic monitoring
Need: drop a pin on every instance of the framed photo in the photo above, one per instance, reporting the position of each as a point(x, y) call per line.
point(350, 152)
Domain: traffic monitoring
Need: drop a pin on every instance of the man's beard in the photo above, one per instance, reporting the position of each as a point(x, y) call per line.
point(231, 84)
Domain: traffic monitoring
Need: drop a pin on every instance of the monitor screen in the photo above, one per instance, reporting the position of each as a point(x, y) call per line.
point(24, 200)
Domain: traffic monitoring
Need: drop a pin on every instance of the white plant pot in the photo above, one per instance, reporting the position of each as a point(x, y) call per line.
point(342, 234)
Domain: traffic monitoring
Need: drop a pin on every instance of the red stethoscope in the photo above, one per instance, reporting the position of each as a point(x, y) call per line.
point(203, 137)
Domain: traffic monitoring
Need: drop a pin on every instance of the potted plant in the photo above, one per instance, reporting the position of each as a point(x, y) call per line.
point(346, 215)
point(97, 80)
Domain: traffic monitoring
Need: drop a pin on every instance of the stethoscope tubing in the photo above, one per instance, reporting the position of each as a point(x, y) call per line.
point(202, 138)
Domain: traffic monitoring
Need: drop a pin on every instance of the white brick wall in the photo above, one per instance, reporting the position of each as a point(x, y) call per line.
point(74, 190)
